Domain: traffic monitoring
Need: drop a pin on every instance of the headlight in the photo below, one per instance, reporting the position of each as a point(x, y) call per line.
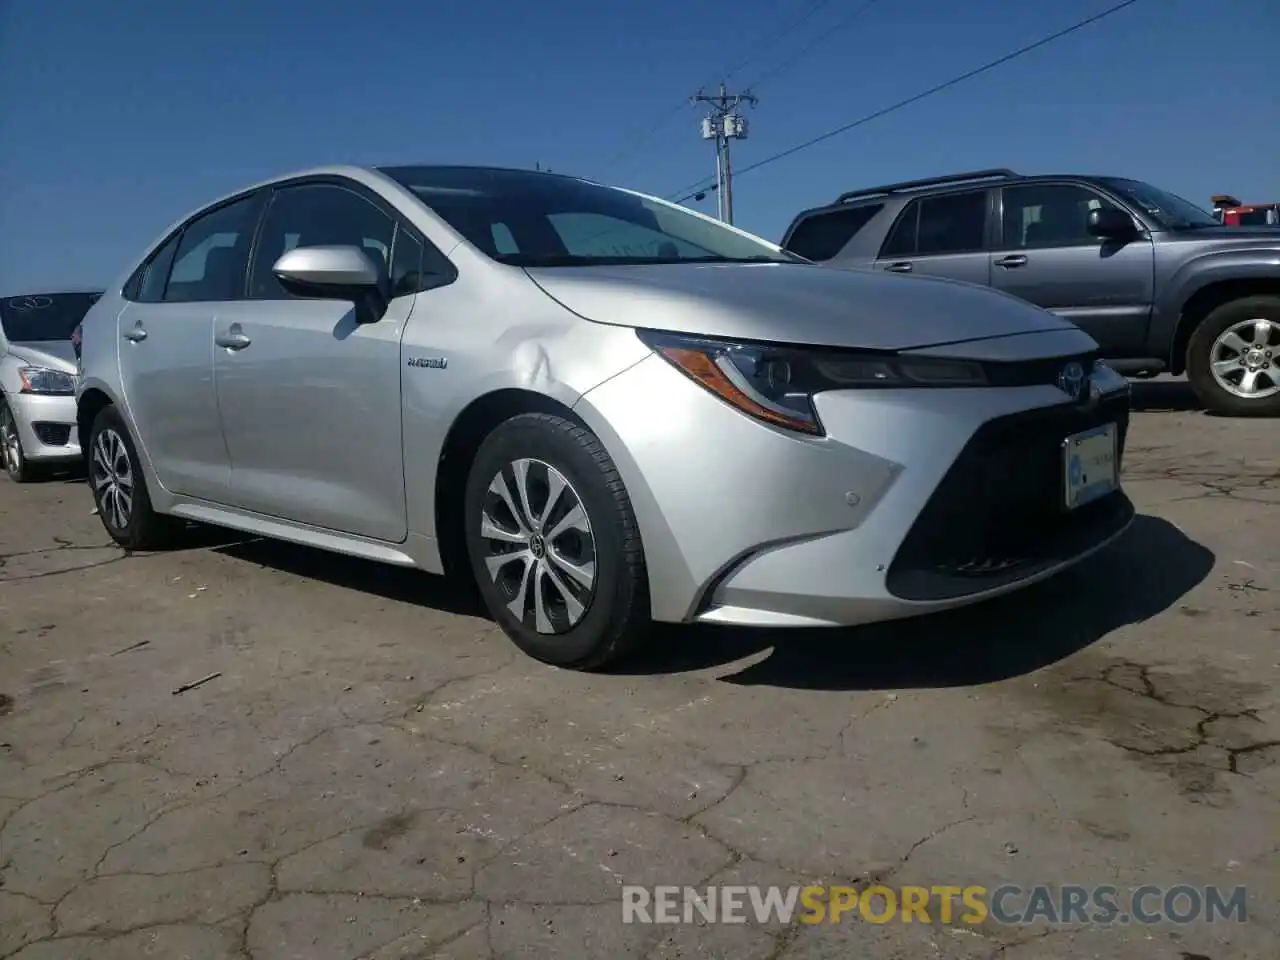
point(776, 384)
point(42, 380)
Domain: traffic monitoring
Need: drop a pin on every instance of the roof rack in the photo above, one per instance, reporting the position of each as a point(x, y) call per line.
point(998, 173)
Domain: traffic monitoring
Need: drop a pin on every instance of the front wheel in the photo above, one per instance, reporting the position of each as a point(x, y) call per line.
point(120, 489)
point(16, 465)
point(554, 545)
point(1233, 359)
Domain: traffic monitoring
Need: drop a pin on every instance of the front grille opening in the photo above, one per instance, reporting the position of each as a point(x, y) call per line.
point(998, 514)
point(52, 434)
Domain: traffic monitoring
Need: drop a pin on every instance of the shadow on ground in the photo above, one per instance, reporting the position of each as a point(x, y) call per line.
point(1144, 573)
point(381, 579)
point(1150, 396)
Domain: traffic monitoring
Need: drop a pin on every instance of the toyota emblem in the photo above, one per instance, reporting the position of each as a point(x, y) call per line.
point(1071, 380)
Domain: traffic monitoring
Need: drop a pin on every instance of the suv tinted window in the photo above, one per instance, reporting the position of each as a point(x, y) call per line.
point(951, 223)
point(821, 236)
point(1049, 215)
point(211, 255)
point(316, 215)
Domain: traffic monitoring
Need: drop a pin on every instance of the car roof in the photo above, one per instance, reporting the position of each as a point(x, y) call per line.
point(919, 188)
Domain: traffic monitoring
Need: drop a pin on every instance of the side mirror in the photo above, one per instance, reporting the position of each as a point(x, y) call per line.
point(1111, 224)
point(328, 271)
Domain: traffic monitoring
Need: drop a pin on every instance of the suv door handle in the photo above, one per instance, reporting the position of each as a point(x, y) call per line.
point(232, 340)
point(1015, 260)
point(902, 267)
point(136, 335)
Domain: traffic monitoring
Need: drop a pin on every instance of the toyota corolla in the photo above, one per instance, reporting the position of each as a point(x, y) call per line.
point(602, 408)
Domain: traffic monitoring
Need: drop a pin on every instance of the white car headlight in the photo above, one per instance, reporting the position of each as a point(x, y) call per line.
point(47, 382)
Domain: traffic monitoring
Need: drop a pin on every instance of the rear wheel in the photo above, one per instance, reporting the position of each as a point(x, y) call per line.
point(120, 489)
point(16, 465)
point(1233, 359)
point(554, 545)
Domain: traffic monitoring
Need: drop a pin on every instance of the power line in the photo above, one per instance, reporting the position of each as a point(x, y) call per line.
point(765, 39)
point(816, 41)
point(1110, 11)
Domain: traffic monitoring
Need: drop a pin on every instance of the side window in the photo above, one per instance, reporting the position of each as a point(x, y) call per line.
point(156, 273)
point(901, 241)
point(952, 223)
point(597, 235)
point(1049, 215)
point(823, 235)
point(316, 215)
point(406, 264)
point(210, 259)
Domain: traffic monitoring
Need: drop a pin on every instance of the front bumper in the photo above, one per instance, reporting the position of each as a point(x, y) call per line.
point(46, 426)
point(916, 500)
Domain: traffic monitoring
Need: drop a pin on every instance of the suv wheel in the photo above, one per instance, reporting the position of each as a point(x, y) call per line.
point(16, 464)
point(554, 545)
point(120, 489)
point(1233, 359)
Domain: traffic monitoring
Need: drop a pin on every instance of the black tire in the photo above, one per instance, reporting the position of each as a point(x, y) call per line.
point(143, 528)
point(16, 465)
point(1200, 357)
point(615, 609)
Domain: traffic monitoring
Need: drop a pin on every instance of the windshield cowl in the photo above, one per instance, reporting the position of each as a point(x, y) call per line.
point(533, 262)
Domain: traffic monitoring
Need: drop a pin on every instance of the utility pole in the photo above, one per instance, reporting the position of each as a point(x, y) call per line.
point(724, 124)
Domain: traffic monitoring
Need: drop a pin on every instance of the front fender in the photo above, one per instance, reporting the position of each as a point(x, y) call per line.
point(1200, 272)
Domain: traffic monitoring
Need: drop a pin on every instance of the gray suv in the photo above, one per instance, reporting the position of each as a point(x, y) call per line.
point(1154, 279)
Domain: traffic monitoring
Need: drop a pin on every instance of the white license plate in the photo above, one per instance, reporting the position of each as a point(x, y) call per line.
point(1089, 465)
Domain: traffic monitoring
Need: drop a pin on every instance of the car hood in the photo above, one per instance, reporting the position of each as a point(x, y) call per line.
point(1222, 232)
point(54, 354)
point(793, 303)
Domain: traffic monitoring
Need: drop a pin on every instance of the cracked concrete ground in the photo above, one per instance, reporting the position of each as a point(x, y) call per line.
point(375, 772)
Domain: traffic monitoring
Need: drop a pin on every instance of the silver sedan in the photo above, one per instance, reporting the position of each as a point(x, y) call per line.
point(603, 409)
point(37, 381)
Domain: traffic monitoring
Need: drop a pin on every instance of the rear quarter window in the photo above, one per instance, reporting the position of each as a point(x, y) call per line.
point(821, 236)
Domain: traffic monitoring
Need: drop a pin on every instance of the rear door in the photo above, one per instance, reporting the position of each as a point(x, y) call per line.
point(1047, 256)
point(166, 347)
point(942, 236)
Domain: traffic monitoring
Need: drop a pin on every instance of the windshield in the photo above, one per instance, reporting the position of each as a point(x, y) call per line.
point(546, 220)
point(44, 316)
point(1167, 209)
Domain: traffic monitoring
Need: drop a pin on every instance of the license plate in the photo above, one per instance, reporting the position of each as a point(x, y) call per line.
point(1089, 465)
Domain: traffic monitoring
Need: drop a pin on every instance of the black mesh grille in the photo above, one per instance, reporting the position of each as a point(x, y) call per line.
point(998, 514)
point(52, 434)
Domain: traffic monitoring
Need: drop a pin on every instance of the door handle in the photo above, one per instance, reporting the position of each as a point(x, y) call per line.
point(136, 335)
point(1016, 260)
point(232, 340)
point(899, 267)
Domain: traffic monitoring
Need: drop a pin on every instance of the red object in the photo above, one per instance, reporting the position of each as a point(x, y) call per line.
point(1231, 212)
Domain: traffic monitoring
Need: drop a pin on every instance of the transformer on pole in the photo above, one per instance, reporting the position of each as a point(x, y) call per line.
point(724, 124)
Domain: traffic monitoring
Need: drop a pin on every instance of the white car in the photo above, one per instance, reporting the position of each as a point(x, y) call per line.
point(38, 381)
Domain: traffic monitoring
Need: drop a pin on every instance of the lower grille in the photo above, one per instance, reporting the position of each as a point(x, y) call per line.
point(52, 434)
point(998, 514)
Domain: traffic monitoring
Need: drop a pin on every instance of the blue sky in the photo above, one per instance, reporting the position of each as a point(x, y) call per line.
point(118, 118)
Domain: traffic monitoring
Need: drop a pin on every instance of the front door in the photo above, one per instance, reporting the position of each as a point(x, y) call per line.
point(166, 349)
point(310, 398)
point(1048, 257)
